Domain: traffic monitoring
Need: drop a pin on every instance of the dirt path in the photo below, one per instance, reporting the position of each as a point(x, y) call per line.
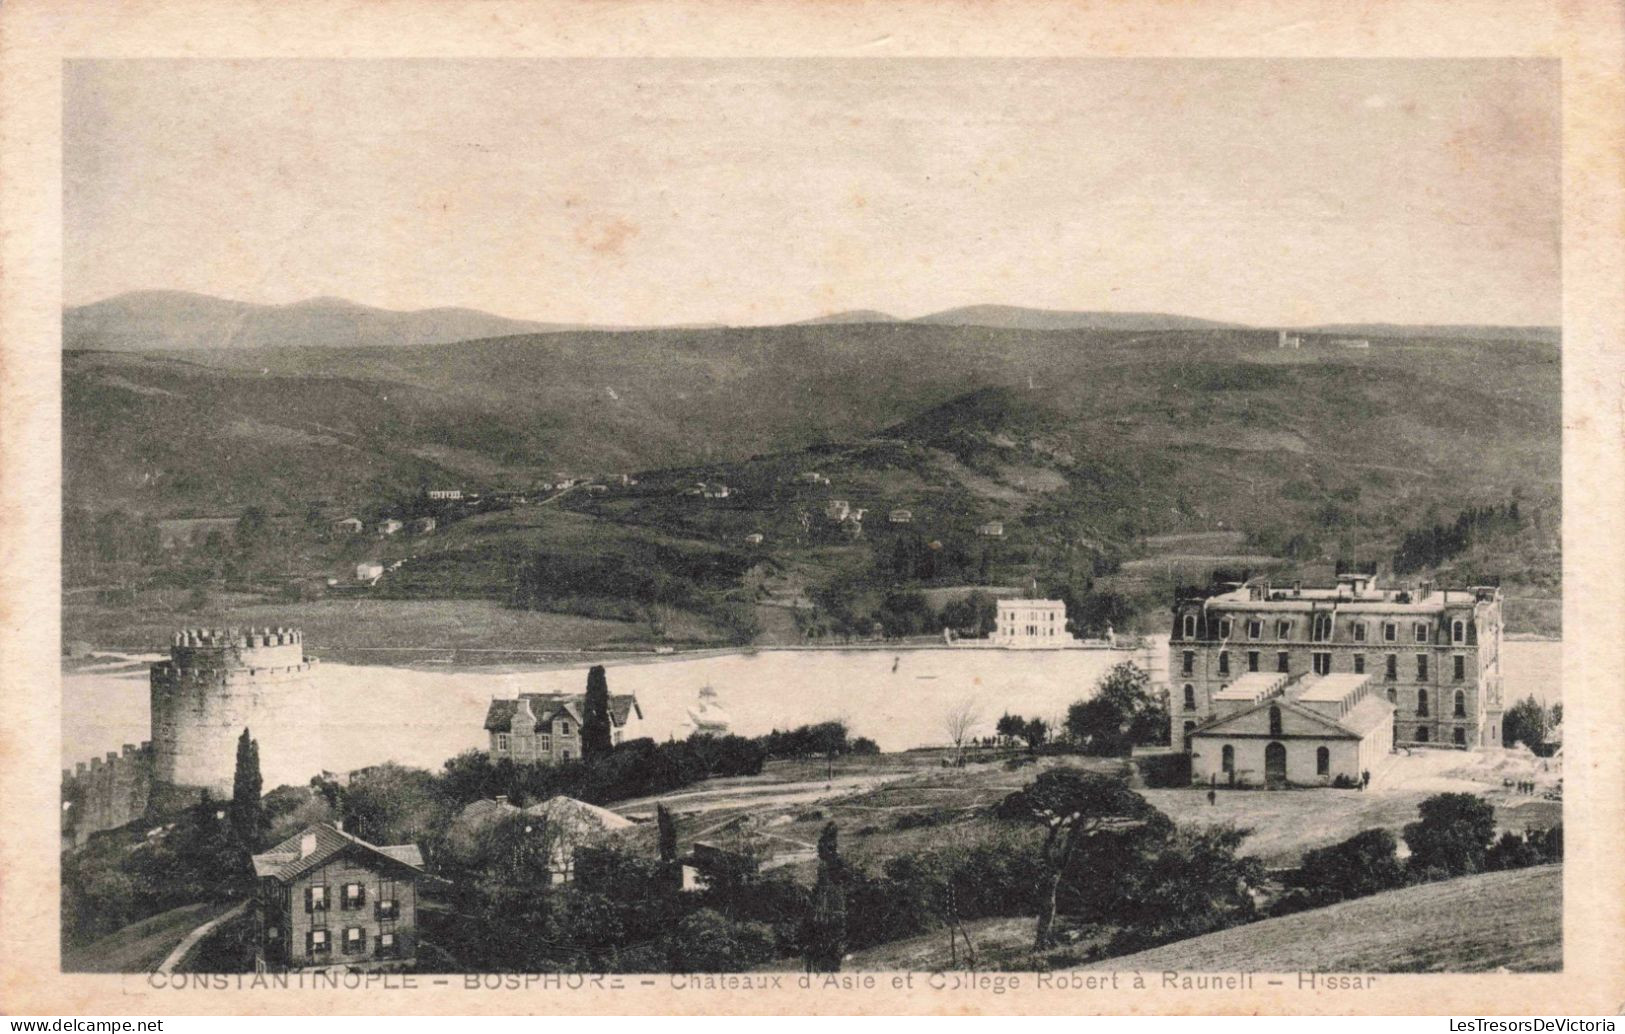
point(772, 795)
point(191, 940)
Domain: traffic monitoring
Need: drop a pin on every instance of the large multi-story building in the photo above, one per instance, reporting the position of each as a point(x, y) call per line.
point(1434, 653)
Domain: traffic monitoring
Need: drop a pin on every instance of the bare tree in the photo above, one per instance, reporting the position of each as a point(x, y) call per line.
point(958, 723)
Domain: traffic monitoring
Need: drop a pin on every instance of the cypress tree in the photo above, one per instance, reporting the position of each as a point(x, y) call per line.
point(668, 834)
point(595, 722)
point(247, 786)
point(824, 935)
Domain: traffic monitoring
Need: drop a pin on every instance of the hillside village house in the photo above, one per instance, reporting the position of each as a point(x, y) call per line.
point(546, 727)
point(330, 901)
point(369, 571)
point(445, 495)
point(1304, 730)
point(1435, 653)
point(900, 516)
point(837, 509)
point(992, 529)
point(348, 525)
point(424, 525)
point(755, 538)
point(389, 526)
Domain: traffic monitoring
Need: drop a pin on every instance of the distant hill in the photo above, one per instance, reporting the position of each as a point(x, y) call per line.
point(1178, 428)
point(152, 321)
point(852, 316)
point(1016, 318)
point(180, 321)
point(1475, 924)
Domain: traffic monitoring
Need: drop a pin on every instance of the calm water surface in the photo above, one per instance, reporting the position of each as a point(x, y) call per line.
point(900, 699)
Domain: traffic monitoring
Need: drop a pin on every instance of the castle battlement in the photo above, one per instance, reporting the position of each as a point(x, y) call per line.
point(233, 649)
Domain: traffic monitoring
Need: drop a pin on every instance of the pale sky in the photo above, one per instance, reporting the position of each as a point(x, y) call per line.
point(738, 191)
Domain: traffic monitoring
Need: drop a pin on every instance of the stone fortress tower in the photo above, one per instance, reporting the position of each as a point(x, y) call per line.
point(214, 685)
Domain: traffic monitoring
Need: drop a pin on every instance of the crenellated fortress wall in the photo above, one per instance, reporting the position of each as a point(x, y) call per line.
point(106, 793)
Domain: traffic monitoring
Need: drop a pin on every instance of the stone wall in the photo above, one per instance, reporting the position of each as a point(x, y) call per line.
point(105, 793)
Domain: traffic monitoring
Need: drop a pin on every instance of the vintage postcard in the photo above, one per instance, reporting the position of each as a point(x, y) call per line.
point(812, 508)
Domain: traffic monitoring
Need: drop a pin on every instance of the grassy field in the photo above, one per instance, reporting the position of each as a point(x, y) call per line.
point(141, 946)
point(998, 944)
point(1494, 921)
point(357, 629)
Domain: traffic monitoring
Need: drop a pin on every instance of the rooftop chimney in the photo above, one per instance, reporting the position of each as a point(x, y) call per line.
point(307, 845)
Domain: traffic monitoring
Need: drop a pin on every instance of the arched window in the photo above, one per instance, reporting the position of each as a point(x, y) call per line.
point(1190, 697)
point(1190, 626)
point(1461, 704)
point(1323, 761)
point(1275, 720)
point(1228, 759)
point(1458, 631)
point(1422, 703)
point(1323, 628)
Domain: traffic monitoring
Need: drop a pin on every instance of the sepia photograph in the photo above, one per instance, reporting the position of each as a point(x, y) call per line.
point(524, 509)
point(811, 516)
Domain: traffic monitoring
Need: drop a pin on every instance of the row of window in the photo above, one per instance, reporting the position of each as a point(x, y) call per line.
point(1322, 664)
point(1458, 735)
point(1323, 755)
point(544, 744)
point(353, 896)
point(1323, 760)
point(353, 941)
point(1460, 702)
point(1321, 630)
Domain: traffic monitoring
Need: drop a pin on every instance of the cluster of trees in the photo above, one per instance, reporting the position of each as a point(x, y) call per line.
point(821, 740)
point(1454, 835)
point(1122, 714)
point(90, 539)
point(119, 879)
point(843, 611)
point(1529, 723)
point(910, 557)
point(1013, 727)
point(1431, 546)
point(636, 768)
point(646, 580)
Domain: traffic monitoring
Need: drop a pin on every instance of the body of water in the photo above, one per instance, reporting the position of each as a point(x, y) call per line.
point(899, 699)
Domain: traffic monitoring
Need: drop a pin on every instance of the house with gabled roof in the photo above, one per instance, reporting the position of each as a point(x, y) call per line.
point(327, 900)
point(1271, 729)
point(546, 727)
